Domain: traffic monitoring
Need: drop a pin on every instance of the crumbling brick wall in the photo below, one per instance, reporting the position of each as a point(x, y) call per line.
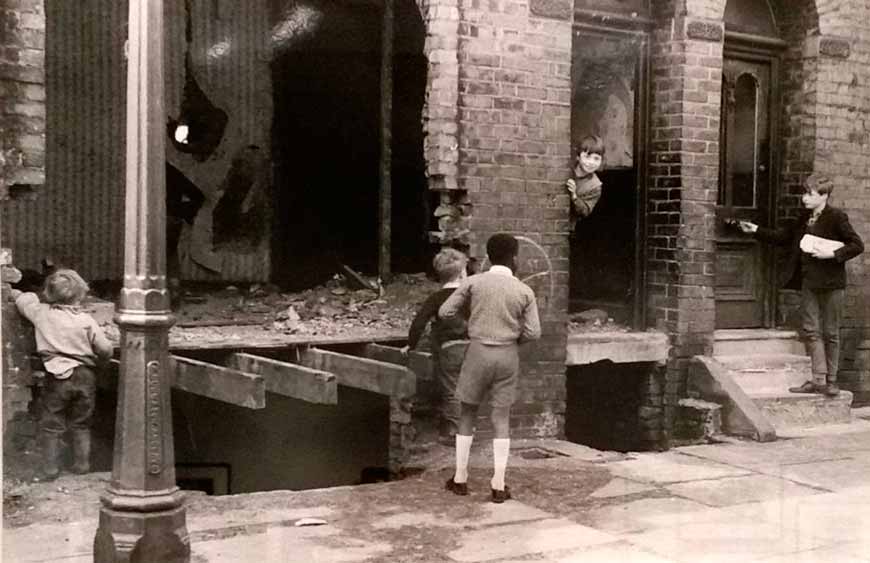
point(17, 345)
point(22, 94)
point(514, 145)
point(22, 173)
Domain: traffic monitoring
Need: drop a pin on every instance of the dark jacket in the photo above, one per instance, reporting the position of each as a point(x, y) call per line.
point(803, 270)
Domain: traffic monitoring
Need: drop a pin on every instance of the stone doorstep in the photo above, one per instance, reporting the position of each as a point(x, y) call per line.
point(750, 342)
point(768, 373)
point(800, 410)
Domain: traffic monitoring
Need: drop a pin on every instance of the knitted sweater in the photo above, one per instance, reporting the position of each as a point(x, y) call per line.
point(588, 193)
point(66, 336)
point(502, 309)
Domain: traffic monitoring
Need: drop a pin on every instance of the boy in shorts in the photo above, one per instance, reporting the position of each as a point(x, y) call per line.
point(503, 314)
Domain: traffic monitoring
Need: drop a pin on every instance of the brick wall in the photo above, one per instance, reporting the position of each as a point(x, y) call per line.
point(22, 97)
point(17, 345)
point(686, 84)
point(826, 88)
point(514, 145)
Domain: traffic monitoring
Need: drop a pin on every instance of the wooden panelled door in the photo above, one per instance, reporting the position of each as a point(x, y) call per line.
point(743, 266)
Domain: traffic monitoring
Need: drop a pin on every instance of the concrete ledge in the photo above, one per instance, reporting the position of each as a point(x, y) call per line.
point(742, 417)
point(618, 347)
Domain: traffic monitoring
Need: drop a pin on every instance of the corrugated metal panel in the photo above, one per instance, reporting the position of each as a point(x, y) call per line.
point(230, 52)
point(78, 216)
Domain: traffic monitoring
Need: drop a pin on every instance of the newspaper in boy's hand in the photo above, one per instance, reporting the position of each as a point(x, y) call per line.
point(812, 244)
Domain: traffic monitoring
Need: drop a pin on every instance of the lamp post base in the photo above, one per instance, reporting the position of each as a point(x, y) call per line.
point(134, 537)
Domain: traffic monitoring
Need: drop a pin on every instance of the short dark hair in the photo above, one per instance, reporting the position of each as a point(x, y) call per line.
point(591, 144)
point(501, 248)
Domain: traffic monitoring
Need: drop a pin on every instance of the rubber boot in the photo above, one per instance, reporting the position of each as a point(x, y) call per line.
point(50, 456)
point(81, 447)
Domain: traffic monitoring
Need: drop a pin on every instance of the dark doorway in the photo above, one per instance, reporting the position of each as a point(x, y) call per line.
point(326, 139)
point(608, 76)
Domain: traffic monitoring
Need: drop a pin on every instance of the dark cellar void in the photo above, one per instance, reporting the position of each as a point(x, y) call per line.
point(602, 405)
point(326, 139)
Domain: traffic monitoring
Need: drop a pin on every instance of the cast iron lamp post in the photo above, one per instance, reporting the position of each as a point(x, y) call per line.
point(143, 518)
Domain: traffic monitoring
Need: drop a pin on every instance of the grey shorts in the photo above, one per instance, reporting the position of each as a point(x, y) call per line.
point(489, 369)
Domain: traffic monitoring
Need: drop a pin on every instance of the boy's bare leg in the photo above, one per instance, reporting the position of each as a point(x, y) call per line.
point(467, 416)
point(500, 445)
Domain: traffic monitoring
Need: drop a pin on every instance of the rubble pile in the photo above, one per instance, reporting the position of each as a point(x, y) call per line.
point(338, 307)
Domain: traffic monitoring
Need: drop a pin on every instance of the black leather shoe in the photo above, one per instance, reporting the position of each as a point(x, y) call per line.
point(499, 497)
point(807, 387)
point(831, 390)
point(460, 489)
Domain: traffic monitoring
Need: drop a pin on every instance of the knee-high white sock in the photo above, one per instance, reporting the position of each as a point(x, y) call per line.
point(501, 447)
point(463, 451)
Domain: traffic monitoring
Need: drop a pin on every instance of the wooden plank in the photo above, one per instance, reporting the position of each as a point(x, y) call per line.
point(418, 362)
point(363, 373)
point(290, 380)
point(216, 382)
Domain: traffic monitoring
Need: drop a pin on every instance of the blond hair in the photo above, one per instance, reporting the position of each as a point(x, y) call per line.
point(449, 264)
point(65, 287)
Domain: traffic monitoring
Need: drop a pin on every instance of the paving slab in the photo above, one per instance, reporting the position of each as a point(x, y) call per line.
point(492, 514)
point(289, 544)
point(518, 540)
point(835, 475)
point(753, 456)
point(837, 554)
point(633, 516)
point(856, 425)
point(621, 552)
point(42, 542)
point(672, 467)
point(618, 487)
point(715, 542)
point(738, 490)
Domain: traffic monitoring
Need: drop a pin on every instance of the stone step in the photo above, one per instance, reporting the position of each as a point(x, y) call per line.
point(746, 342)
point(767, 373)
point(793, 410)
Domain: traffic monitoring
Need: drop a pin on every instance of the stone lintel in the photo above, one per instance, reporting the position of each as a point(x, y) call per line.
point(555, 9)
point(289, 380)
point(827, 46)
point(618, 347)
point(705, 30)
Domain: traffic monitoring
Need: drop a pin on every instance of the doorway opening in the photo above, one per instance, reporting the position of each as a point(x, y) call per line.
point(608, 100)
point(326, 140)
point(748, 165)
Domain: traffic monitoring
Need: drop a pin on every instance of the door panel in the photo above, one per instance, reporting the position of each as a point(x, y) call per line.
point(742, 268)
